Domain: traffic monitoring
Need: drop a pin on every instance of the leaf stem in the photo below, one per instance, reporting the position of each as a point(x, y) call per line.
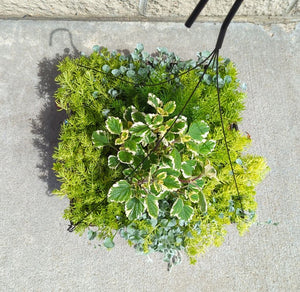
point(190, 180)
point(113, 147)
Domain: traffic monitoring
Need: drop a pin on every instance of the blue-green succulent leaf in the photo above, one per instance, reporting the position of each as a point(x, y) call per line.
point(108, 242)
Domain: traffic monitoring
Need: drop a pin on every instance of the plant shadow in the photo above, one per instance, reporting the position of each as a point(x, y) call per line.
point(46, 125)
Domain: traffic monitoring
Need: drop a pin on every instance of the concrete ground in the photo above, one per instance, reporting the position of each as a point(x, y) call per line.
point(39, 254)
point(172, 9)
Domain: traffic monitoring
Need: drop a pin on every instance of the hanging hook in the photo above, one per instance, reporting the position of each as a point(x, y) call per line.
point(70, 36)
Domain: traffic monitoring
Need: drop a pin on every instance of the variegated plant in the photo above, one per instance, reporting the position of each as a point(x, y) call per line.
point(175, 169)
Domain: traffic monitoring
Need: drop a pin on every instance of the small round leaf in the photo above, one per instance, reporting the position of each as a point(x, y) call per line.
point(105, 68)
point(108, 242)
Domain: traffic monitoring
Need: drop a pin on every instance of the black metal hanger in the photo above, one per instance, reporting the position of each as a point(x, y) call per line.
point(225, 24)
point(214, 59)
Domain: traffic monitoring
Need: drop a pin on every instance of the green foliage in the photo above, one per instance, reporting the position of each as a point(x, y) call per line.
point(170, 169)
point(172, 197)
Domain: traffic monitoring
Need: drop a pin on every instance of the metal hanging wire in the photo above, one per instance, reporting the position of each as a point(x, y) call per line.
point(213, 59)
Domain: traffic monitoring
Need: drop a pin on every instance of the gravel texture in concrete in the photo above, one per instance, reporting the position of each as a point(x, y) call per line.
point(38, 254)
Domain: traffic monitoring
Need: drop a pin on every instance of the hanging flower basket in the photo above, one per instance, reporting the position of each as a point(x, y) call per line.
point(136, 159)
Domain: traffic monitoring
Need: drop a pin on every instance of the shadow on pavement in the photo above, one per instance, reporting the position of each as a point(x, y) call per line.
point(46, 125)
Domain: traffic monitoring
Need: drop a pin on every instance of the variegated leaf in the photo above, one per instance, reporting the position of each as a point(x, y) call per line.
point(120, 191)
point(114, 125)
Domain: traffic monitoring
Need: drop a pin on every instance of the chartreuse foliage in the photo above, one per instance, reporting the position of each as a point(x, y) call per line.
point(182, 196)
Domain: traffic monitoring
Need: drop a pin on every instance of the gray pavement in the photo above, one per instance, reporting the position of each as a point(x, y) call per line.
point(38, 254)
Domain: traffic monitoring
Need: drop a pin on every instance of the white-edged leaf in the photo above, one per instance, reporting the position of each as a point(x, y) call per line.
point(156, 186)
point(99, 138)
point(181, 211)
point(199, 182)
point(170, 107)
point(114, 125)
point(128, 112)
point(194, 197)
point(127, 171)
point(198, 130)
point(176, 159)
point(169, 171)
point(207, 147)
point(187, 168)
point(162, 195)
point(119, 141)
point(193, 146)
point(165, 142)
point(125, 157)
point(140, 151)
point(152, 206)
point(180, 125)
point(162, 112)
point(157, 120)
point(171, 183)
point(166, 162)
point(161, 176)
point(124, 135)
point(162, 129)
point(210, 171)
point(134, 208)
point(170, 137)
point(139, 129)
point(113, 161)
point(130, 146)
point(148, 118)
point(120, 191)
point(185, 138)
point(148, 138)
point(177, 207)
point(154, 101)
point(186, 213)
point(153, 120)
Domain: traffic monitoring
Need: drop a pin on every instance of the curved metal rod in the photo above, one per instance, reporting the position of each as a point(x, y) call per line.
point(195, 13)
point(225, 24)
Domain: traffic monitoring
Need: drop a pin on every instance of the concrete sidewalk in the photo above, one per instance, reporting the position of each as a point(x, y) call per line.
point(38, 254)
